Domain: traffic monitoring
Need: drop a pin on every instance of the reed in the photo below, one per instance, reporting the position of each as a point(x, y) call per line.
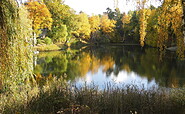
point(58, 96)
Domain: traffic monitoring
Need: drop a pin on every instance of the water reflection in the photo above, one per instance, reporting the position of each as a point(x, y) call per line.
point(128, 64)
point(123, 77)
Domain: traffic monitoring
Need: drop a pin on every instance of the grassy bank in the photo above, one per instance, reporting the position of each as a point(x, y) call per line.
point(45, 47)
point(76, 45)
point(58, 97)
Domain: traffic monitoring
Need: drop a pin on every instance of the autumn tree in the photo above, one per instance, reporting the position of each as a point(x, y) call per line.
point(94, 22)
point(107, 26)
point(40, 16)
point(143, 16)
point(63, 15)
point(126, 24)
point(171, 19)
point(83, 27)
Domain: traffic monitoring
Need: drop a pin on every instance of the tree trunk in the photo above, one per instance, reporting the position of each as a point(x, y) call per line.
point(34, 39)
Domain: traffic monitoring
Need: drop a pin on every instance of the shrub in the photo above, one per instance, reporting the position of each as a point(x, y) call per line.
point(39, 41)
point(47, 41)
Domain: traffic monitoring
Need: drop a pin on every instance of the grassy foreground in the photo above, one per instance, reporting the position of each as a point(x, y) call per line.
point(56, 96)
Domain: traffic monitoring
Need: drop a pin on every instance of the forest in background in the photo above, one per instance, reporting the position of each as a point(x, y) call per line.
point(55, 22)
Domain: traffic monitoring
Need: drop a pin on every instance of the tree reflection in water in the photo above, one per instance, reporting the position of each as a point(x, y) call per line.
point(127, 64)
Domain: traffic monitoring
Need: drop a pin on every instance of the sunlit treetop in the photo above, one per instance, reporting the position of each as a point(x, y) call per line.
point(39, 14)
point(107, 25)
point(83, 25)
point(95, 23)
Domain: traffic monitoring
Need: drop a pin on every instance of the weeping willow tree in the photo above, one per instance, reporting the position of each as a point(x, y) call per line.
point(170, 19)
point(15, 44)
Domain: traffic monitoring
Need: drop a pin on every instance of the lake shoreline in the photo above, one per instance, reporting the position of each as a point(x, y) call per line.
point(57, 47)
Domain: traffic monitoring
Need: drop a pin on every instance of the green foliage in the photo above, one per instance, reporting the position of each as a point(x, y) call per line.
point(152, 35)
point(16, 62)
point(45, 47)
point(83, 27)
point(39, 41)
point(63, 16)
point(60, 33)
point(117, 16)
point(131, 27)
point(47, 41)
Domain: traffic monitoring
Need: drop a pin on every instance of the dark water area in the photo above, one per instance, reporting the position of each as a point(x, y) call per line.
point(115, 64)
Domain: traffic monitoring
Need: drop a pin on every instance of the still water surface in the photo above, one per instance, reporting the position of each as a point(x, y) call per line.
point(114, 64)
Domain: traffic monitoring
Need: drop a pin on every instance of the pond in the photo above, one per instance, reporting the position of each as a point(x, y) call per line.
point(114, 64)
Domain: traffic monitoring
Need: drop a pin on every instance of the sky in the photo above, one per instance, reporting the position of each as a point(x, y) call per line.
point(123, 77)
point(97, 6)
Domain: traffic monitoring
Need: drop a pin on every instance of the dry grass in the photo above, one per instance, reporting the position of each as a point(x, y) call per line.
point(59, 97)
point(111, 100)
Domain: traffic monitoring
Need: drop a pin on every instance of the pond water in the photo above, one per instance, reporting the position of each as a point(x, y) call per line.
point(113, 64)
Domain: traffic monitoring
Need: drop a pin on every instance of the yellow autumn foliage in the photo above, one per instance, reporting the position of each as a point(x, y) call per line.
point(171, 18)
point(83, 26)
point(126, 19)
point(144, 15)
point(107, 25)
point(39, 14)
point(95, 23)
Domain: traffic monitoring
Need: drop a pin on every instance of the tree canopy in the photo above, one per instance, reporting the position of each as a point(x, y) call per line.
point(39, 14)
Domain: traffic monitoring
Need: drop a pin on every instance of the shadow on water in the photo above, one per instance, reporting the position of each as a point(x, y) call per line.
point(118, 64)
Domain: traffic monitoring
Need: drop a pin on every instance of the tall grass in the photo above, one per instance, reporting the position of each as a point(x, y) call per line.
point(111, 100)
point(57, 96)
